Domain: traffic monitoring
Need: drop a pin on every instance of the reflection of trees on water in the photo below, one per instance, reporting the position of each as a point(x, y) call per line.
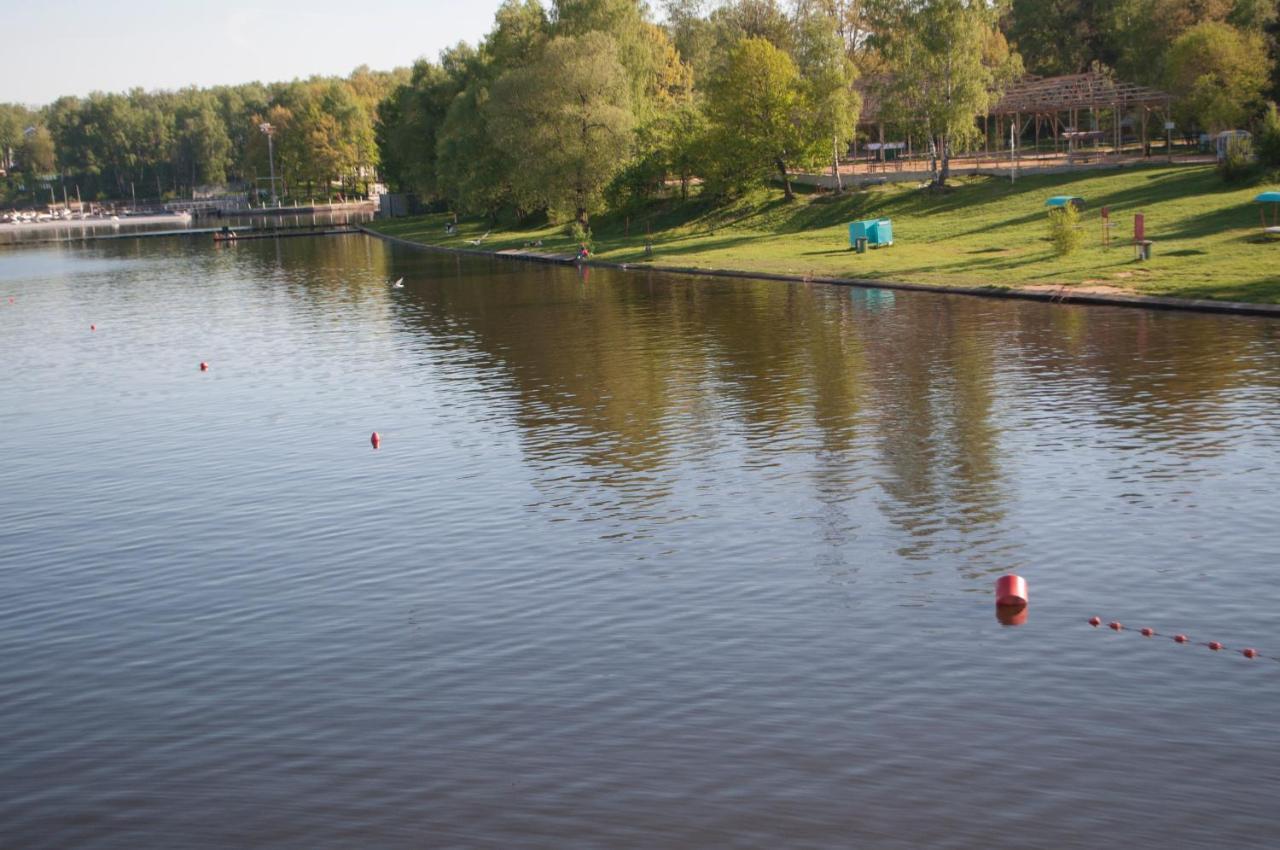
point(640, 399)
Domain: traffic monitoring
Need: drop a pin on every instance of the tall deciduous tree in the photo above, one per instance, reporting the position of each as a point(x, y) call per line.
point(762, 114)
point(828, 73)
point(1219, 72)
point(567, 118)
point(949, 62)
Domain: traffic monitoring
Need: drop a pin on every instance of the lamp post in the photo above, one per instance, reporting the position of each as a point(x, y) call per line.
point(268, 130)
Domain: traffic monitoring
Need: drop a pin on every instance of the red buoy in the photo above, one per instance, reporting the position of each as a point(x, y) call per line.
point(1115, 627)
point(376, 439)
point(93, 327)
point(1011, 591)
point(1214, 645)
point(1095, 621)
point(1181, 639)
point(1249, 653)
point(204, 367)
point(1148, 632)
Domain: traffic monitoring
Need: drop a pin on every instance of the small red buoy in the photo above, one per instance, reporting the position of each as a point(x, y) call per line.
point(1095, 621)
point(1249, 653)
point(1214, 645)
point(204, 367)
point(1011, 591)
point(1115, 627)
point(376, 439)
point(93, 327)
point(1181, 639)
point(1148, 632)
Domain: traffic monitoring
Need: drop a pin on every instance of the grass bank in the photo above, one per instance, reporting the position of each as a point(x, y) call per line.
point(985, 232)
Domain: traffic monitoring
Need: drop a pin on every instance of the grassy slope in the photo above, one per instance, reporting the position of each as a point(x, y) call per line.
point(985, 232)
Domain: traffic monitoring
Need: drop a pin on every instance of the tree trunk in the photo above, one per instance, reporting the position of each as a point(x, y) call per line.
point(786, 180)
point(835, 163)
point(944, 158)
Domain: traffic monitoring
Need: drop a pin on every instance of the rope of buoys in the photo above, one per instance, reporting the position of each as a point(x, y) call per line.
point(1147, 631)
point(1011, 610)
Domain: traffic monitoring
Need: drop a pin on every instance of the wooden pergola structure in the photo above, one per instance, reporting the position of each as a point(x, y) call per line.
point(1043, 101)
point(1055, 103)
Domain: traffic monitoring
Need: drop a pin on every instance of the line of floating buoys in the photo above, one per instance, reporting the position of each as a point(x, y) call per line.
point(1147, 631)
point(375, 440)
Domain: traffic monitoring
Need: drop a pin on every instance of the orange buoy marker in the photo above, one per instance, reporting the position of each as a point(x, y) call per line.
point(1146, 632)
point(204, 367)
point(1011, 591)
point(1115, 626)
point(1249, 653)
point(376, 439)
point(1181, 639)
point(1214, 645)
point(1095, 621)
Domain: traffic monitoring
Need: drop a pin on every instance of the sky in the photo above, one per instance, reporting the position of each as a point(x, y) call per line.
point(57, 47)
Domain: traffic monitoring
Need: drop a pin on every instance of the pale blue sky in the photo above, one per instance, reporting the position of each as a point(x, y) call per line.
point(57, 47)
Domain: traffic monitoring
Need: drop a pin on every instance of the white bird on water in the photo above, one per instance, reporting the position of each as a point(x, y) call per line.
point(399, 284)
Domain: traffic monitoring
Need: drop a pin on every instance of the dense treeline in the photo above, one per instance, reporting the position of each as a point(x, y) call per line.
point(159, 144)
point(580, 105)
point(586, 104)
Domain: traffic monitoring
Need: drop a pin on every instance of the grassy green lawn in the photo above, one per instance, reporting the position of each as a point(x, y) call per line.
point(985, 232)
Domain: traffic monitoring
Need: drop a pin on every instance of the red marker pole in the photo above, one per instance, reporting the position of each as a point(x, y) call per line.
point(375, 440)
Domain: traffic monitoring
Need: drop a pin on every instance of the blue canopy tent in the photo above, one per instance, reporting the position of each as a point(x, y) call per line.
point(1272, 198)
point(1060, 202)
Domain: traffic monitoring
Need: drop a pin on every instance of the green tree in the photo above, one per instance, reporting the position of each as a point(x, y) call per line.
point(568, 119)
point(763, 119)
point(36, 155)
point(1061, 36)
point(474, 172)
point(949, 64)
point(1219, 72)
point(14, 119)
point(828, 74)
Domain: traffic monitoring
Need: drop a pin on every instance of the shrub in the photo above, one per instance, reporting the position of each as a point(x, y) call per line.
point(1268, 147)
point(1238, 163)
point(1064, 230)
point(580, 234)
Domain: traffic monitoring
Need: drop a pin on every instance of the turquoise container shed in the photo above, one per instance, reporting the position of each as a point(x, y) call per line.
point(877, 231)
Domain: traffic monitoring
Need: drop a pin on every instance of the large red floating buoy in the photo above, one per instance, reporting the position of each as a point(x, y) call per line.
point(1249, 653)
point(376, 439)
point(1181, 639)
point(1214, 645)
point(1095, 621)
point(1011, 591)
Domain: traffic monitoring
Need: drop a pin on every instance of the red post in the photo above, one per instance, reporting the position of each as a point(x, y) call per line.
point(1139, 227)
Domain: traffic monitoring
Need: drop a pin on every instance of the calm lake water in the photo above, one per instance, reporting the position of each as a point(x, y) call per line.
point(643, 561)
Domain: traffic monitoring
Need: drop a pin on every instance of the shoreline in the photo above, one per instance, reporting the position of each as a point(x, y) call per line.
point(1052, 296)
